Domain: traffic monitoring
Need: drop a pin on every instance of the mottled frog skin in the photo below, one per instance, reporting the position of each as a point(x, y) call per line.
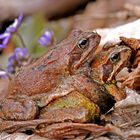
point(67, 87)
point(62, 71)
point(107, 64)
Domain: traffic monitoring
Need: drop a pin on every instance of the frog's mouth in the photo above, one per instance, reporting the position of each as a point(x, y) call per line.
point(88, 55)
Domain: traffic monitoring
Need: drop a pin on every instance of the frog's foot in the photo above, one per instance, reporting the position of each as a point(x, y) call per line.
point(69, 129)
point(18, 108)
point(61, 115)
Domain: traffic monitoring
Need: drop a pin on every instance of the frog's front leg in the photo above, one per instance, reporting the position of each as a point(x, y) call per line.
point(18, 108)
point(43, 99)
point(95, 92)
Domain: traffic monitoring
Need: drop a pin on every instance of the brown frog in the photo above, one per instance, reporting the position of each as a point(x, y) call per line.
point(78, 92)
point(34, 94)
point(107, 63)
point(51, 76)
point(112, 57)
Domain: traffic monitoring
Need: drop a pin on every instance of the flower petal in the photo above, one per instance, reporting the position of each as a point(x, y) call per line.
point(21, 53)
point(2, 46)
point(11, 59)
point(43, 41)
point(10, 69)
point(3, 74)
point(13, 27)
point(46, 39)
point(4, 35)
point(17, 59)
point(6, 40)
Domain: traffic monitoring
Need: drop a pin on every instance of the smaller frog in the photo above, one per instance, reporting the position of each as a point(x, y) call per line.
point(70, 103)
point(107, 64)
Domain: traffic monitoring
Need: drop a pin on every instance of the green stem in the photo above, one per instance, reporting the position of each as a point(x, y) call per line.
point(21, 39)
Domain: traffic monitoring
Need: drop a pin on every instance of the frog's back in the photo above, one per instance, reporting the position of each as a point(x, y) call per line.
point(40, 76)
point(43, 74)
point(46, 73)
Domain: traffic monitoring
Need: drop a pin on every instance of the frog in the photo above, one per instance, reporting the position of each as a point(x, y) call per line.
point(52, 76)
point(113, 58)
point(62, 75)
point(76, 107)
point(117, 56)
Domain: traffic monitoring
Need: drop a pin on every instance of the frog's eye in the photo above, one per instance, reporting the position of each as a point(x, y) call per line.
point(115, 57)
point(83, 43)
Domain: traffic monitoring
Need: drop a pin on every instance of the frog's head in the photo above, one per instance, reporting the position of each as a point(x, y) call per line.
point(82, 49)
point(117, 57)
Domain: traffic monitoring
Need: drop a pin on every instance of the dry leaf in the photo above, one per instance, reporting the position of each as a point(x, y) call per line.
point(134, 44)
point(126, 113)
point(133, 134)
point(133, 79)
point(20, 136)
point(130, 30)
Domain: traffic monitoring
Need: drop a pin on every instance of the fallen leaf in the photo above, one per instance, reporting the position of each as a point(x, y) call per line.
point(20, 136)
point(126, 113)
point(133, 79)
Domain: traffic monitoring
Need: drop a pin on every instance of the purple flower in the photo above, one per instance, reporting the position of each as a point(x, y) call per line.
point(5, 37)
point(17, 58)
point(3, 74)
point(13, 27)
point(46, 39)
point(21, 53)
point(11, 59)
point(10, 68)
